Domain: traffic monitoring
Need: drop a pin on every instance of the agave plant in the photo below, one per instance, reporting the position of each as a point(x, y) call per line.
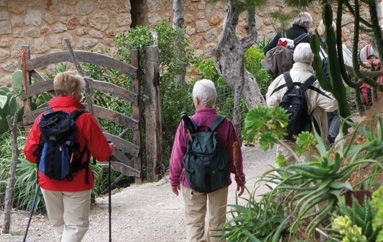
point(309, 192)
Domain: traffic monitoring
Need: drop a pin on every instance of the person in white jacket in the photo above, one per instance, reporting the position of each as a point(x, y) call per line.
point(317, 103)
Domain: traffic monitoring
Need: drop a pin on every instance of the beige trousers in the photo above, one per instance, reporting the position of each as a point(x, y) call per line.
point(68, 212)
point(196, 206)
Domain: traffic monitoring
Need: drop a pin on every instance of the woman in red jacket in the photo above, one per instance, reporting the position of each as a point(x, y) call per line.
point(68, 201)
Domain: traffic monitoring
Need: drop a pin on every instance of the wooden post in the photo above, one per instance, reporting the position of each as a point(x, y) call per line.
point(25, 56)
point(153, 137)
point(134, 61)
point(12, 171)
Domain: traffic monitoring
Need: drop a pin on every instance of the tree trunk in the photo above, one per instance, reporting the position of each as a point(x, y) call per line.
point(178, 21)
point(229, 61)
point(12, 171)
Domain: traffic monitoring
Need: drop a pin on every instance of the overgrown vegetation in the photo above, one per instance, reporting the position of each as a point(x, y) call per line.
point(311, 193)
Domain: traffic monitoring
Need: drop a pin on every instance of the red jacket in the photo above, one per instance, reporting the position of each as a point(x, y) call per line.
point(365, 89)
point(88, 133)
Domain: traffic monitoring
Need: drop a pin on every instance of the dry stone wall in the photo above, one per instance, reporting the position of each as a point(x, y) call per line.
point(92, 24)
point(43, 25)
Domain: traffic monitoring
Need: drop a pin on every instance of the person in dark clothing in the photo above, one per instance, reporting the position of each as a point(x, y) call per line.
point(301, 25)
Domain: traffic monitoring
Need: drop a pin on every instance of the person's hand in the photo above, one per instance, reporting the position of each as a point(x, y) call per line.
point(240, 189)
point(111, 146)
point(175, 189)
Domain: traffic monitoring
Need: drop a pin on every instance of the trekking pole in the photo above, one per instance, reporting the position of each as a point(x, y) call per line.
point(30, 215)
point(110, 195)
point(188, 125)
point(110, 200)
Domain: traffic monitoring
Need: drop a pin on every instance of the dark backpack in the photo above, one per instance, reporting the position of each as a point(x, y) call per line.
point(58, 154)
point(295, 103)
point(325, 67)
point(280, 58)
point(206, 162)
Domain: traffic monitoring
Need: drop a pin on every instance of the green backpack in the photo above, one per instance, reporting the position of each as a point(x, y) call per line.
point(206, 162)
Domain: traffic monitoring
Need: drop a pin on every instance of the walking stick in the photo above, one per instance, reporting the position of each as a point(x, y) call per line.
point(30, 215)
point(110, 200)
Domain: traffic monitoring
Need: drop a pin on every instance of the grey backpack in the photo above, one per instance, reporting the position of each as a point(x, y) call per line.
point(206, 162)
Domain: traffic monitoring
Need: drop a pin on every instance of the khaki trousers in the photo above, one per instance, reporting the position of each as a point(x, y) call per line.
point(196, 205)
point(68, 212)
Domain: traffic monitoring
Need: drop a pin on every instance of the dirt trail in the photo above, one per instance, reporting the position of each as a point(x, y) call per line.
point(142, 212)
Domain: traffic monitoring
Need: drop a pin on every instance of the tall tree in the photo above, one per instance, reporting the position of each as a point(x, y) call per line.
point(178, 22)
point(229, 60)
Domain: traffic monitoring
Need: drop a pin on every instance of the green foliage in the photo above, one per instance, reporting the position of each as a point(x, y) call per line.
point(173, 98)
point(8, 107)
point(60, 67)
point(355, 222)
point(37, 101)
point(108, 100)
point(312, 189)
point(225, 96)
point(137, 38)
point(101, 176)
point(377, 204)
point(25, 177)
point(255, 221)
point(253, 58)
point(173, 44)
point(265, 125)
point(349, 232)
point(206, 68)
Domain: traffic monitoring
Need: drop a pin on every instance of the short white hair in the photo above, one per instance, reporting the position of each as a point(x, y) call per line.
point(303, 53)
point(206, 93)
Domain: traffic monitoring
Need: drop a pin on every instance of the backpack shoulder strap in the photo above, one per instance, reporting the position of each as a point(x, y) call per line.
point(288, 80)
point(298, 39)
point(288, 83)
point(308, 82)
point(218, 120)
point(319, 91)
point(75, 114)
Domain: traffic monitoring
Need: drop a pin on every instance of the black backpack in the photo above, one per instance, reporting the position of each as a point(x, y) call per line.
point(295, 103)
point(206, 162)
point(58, 154)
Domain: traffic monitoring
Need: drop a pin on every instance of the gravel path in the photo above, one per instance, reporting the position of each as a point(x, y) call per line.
point(142, 212)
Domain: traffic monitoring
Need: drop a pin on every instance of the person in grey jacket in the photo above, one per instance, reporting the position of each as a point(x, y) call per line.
point(317, 103)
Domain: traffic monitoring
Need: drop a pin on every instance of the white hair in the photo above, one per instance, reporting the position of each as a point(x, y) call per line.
point(303, 18)
point(206, 93)
point(303, 53)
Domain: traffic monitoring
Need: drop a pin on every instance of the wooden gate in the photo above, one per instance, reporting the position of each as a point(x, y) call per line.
point(127, 156)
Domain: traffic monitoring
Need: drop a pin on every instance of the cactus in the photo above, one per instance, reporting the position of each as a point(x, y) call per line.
point(8, 106)
point(335, 83)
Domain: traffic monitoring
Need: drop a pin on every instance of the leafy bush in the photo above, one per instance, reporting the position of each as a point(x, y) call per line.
point(25, 177)
point(175, 96)
point(310, 192)
point(253, 58)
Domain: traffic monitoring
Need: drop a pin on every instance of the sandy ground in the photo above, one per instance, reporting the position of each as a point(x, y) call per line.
point(142, 212)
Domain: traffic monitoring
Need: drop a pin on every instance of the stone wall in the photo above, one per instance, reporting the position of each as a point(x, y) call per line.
point(92, 24)
point(44, 24)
